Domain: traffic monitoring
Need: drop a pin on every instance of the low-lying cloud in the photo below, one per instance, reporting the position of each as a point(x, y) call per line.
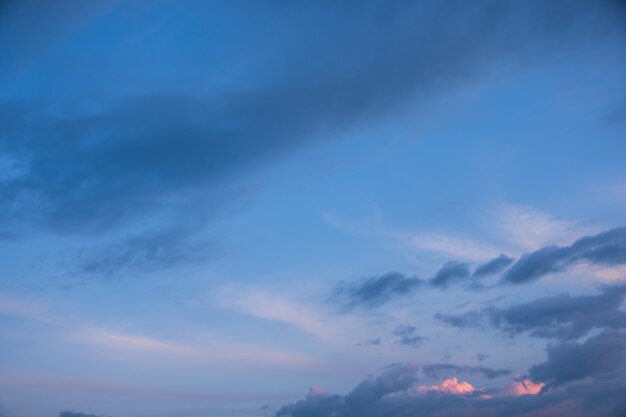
point(557, 387)
point(560, 317)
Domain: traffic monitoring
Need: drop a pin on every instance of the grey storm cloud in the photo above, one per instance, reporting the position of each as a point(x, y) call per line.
point(115, 155)
point(392, 394)
point(558, 317)
point(494, 266)
point(606, 248)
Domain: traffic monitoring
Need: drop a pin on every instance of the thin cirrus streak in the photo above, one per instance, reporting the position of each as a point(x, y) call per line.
point(436, 242)
point(528, 228)
point(212, 351)
point(26, 309)
point(451, 245)
point(309, 318)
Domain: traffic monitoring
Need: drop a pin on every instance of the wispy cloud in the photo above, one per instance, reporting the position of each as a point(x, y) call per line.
point(274, 307)
point(527, 228)
point(210, 351)
point(310, 317)
point(407, 335)
point(415, 242)
point(454, 246)
point(29, 309)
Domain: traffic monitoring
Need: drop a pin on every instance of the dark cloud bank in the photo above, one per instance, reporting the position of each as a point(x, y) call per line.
point(108, 161)
point(580, 379)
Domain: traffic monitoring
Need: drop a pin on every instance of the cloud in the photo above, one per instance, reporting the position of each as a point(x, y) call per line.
point(87, 159)
point(213, 350)
point(397, 393)
point(316, 390)
point(560, 317)
point(469, 319)
point(12, 305)
point(524, 387)
point(130, 342)
point(451, 272)
point(600, 357)
point(273, 307)
point(450, 386)
point(370, 342)
point(564, 316)
point(528, 228)
point(450, 245)
point(436, 370)
point(363, 400)
point(407, 336)
point(149, 252)
point(607, 248)
point(493, 266)
point(394, 378)
point(305, 316)
point(374, 291)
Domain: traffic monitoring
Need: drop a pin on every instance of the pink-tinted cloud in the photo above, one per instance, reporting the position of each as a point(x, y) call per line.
point(26, 309)
point(524, 387)
point(211, 351)
point(450, 385)
point(316, 390)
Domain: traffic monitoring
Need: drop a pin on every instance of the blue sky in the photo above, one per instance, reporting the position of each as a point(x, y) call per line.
point(214, 208)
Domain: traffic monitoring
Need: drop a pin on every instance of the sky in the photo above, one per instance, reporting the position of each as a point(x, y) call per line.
point(312, 209)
